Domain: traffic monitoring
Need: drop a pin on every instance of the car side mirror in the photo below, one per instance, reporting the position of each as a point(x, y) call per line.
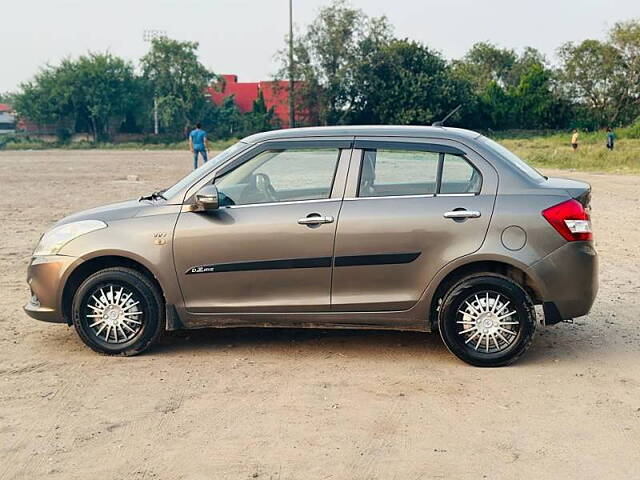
point(208, 198)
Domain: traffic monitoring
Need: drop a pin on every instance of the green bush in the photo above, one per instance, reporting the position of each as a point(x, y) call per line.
point(64, 135)
point(632, 131)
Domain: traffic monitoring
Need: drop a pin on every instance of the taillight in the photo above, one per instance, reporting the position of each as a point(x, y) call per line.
point(571, 220)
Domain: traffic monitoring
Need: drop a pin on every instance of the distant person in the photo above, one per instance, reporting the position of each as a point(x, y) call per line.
point(198, 144)
point(611, 139)
point(574, 140)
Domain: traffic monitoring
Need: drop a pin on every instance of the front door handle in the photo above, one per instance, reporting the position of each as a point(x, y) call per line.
point(457, 214)
point(315, 219)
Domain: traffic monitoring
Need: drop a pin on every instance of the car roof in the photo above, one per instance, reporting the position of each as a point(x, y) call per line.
point(364, 130)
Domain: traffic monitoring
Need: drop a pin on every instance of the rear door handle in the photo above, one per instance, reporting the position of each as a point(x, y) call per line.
point(462, 214)
point(315, 219)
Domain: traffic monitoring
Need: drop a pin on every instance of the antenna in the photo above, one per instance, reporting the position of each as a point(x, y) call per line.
point(442, 122)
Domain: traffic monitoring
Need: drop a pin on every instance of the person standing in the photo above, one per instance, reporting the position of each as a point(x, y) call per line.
point(198, 144)
point(611, 139)
point(574, 140)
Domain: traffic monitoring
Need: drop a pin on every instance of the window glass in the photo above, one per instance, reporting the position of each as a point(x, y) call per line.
point(205, 168)
point(398, 172)
point(458, 176)
point(506, 154)
point(280, 176)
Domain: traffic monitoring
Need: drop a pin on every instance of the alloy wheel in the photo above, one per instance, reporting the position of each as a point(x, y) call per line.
point(486, 322)
point(114, 313)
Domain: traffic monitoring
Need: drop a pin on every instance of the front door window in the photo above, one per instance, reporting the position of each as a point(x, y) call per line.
point(281, 176)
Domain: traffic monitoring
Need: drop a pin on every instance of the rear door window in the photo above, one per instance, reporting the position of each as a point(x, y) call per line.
point(397, 172)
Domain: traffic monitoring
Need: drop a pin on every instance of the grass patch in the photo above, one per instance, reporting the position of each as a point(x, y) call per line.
point(555, 151)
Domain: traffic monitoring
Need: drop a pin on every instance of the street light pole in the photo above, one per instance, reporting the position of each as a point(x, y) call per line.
point(149, 36)
point(292, 103)
point(155, 115)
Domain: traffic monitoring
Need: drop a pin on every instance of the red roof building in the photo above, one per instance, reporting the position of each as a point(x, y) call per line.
point(276, 95)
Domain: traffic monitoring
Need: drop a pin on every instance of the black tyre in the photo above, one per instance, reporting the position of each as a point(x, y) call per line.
point(118, 311)
point(487, 320)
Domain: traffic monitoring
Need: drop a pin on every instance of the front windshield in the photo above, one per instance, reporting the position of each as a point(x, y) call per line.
point(204, 168)
point(514, 160)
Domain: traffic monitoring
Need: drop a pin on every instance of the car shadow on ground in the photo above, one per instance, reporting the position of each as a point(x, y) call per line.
point(552, 344)
point(342, 340)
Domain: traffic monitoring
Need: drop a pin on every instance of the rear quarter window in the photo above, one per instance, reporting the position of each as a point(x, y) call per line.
point(511, 158)
point(459, 176)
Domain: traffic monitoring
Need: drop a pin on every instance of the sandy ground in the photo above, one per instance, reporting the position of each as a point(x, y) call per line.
point(292, 404)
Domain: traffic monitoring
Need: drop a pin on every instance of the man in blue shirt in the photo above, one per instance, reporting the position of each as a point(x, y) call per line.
point(198, 144)
point(611, 139)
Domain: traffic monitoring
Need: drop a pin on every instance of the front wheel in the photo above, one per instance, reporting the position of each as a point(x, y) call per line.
point(487, 320)
point(118, 311)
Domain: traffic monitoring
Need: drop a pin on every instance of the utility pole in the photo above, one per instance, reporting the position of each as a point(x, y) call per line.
point(292, 102)
point(149, 36)
point(155, 115)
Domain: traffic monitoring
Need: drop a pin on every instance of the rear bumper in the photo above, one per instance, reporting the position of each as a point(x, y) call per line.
point(46, 276)
point(568, 280)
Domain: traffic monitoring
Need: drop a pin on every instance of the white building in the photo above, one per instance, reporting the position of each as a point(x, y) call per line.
point(7, 119)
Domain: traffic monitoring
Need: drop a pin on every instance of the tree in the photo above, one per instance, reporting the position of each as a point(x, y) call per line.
point(535, 104)
point(625, 38)
point(327, 55)
point(260, 118)
point(591, 77)
point(178, 81)
point(93, 93)
point(7, 97)
point(603, 78)
point(224, 121)
point(511, 90)
point(404, 82)
point(486, 63)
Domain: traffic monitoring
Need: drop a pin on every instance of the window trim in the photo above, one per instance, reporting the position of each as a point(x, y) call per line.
point(286, 202)
point(342, 144)
point(406, 145)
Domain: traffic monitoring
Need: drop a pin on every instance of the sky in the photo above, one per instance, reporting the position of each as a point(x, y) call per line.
point(242, 36)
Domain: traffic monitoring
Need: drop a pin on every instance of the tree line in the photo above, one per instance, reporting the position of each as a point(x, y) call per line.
point(100, 94)
point(353, 69)
point(349, 68)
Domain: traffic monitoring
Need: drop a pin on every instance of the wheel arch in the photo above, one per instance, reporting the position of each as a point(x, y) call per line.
point(93, 265)
point(457, 273)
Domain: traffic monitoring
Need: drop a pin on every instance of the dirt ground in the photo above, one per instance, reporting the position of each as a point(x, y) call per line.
point(305, 404)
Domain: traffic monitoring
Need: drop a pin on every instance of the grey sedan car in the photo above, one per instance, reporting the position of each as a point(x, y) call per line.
point(405, 228)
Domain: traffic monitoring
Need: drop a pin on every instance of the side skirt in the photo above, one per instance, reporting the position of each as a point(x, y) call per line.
point(357, 321)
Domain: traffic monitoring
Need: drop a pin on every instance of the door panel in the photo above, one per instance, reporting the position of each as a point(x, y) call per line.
point(256, 258)
point(260, 251)
point(410, 230)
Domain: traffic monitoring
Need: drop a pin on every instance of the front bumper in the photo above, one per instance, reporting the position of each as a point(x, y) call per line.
point(568, 280)
point(46, 277)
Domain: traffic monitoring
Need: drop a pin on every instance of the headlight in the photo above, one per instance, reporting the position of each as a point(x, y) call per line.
point(56, 238)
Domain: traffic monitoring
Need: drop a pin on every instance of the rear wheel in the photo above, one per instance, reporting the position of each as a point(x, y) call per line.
point(118, 311)
point(487, 320)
